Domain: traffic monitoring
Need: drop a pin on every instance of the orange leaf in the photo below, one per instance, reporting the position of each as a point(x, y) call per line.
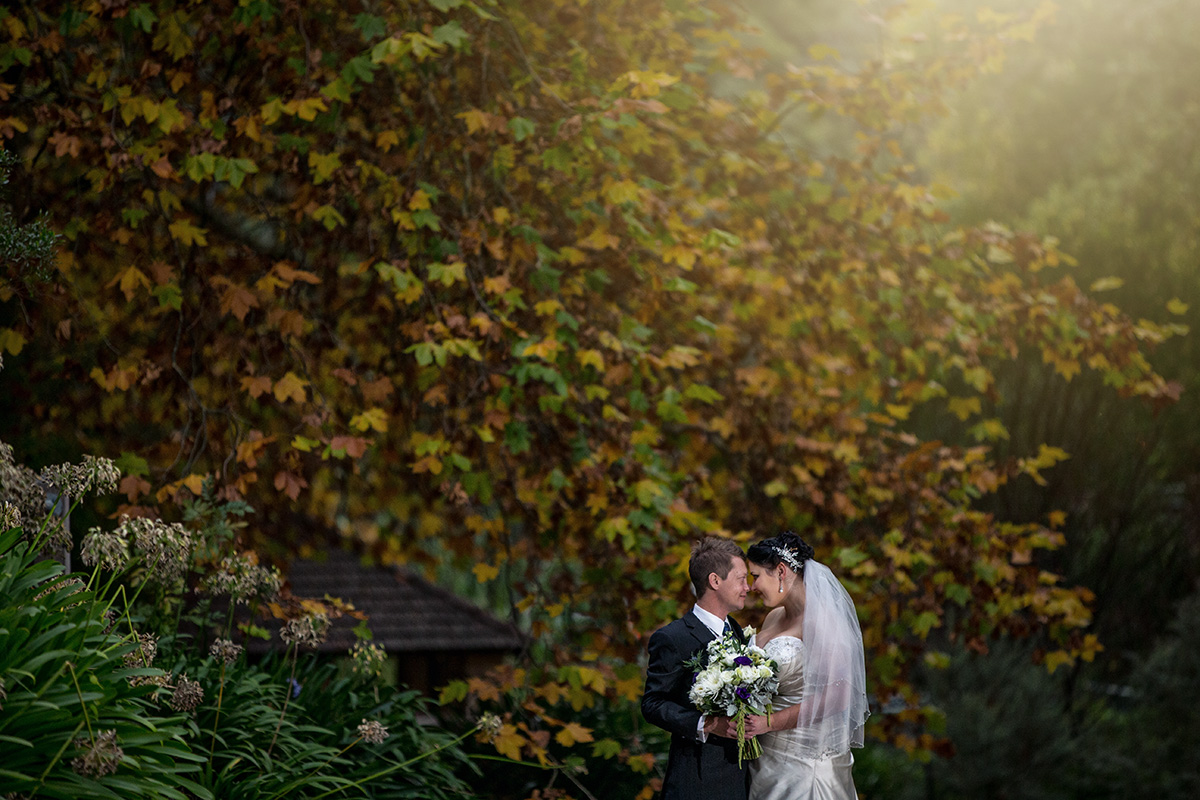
point(353, 446)
point(256, 385)
point(290, 483)
point(238, 300)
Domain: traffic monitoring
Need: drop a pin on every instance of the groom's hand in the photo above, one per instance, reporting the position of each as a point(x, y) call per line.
point(720, 726)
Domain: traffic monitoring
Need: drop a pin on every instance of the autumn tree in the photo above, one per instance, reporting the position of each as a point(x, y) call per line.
point(541, 291)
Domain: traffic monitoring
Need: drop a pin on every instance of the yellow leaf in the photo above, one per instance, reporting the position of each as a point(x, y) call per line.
point(186, 233)
point(1057, 659)
point(820, 52)
point(419, 201)
point(1105, 285)
point(622, 192)
point(476, 120)
point(775, 488)
point(963, 407)
point(290, 386)
point(11, 341)
point(485, 572)
point(685, 257)
point(323, 166)
point(599, 239)
point(307, 110)
point(386, 140)
point(597, 502)
point(371, 419)
point(271, 112)
point(194, 483)
point(546, 349)
point(573, 733)
point(130, 281)
point(508, 742)
point(1177, 306)
point(593, 357)
point(501, 215)
point(681, 356)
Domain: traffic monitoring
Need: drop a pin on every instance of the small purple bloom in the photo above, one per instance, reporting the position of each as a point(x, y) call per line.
point(743, 661)
point(295, 687)
point(742, 692)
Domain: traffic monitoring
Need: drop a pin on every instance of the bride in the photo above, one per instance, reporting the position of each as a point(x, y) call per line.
point(812, 633)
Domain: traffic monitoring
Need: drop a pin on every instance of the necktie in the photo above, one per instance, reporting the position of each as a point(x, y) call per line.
point(728, 626)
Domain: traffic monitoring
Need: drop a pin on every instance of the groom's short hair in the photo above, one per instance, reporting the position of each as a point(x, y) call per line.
point(711, 554)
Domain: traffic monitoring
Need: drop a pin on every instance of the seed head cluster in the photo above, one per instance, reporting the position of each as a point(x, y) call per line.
point(243, 579)
point(143, 655)
point(110, 550)
point(166, 547)
point(372, 731)
point(188, 694)
point(76, 480)
point(307, 631)
point(100, 757)
point(490, 725)
point(10, 516)
point(368, 659)
point(225, 650)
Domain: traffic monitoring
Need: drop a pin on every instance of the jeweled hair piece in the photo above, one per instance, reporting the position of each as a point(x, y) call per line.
point(789, 558)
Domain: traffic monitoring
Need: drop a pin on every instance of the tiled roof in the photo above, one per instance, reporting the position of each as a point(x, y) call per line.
point(405, 612)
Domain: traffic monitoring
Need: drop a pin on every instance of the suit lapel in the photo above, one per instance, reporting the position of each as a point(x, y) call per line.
point(698, 629)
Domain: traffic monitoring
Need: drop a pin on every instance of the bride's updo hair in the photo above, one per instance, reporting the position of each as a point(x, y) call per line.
point(786, 548)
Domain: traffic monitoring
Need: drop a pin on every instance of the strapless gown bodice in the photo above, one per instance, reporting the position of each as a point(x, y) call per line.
point(781, 773)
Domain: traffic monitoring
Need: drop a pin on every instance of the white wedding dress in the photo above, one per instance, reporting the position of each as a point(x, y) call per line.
point(781, 772)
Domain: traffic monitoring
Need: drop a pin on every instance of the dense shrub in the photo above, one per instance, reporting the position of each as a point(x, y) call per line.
point(127, 682)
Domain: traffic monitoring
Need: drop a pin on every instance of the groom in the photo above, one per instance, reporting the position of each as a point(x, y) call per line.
point(703, 760)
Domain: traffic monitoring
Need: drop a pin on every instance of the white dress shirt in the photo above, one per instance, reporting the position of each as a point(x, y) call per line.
point(717, 626)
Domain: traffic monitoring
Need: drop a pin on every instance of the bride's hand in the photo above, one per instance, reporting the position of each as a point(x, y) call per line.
point(756, 726)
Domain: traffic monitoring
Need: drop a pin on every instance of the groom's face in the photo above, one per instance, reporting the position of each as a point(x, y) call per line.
point(731, 590)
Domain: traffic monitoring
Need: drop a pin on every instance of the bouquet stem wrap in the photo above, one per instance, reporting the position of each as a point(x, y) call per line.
point(748, 749)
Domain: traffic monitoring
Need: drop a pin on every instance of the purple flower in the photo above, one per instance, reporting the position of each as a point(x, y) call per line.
point(743, 661)
point(742, 692)
point(295, 684)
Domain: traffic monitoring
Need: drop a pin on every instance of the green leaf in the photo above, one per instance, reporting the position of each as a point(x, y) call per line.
point(370, 26)
point(521, 128)
point(452, 34)
point(132, 464)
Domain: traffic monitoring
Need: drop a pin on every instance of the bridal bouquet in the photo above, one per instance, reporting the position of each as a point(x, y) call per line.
point(734, 680)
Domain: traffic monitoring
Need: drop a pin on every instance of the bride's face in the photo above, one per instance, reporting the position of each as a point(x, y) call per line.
point(767, 584)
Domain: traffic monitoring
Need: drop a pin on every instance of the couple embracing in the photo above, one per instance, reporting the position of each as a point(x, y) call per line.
point(811, 632)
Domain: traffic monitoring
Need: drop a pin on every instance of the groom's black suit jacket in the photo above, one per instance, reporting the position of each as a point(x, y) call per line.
point(695, 770)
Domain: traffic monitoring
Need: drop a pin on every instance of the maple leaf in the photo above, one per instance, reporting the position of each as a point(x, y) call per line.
point(290, 387)
point(188, 234)
point(508, 742)
point(290, 483)
point(256, 385)
point(353, 446)
point(573, 733)
point(237, 300)
point(371, 419)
